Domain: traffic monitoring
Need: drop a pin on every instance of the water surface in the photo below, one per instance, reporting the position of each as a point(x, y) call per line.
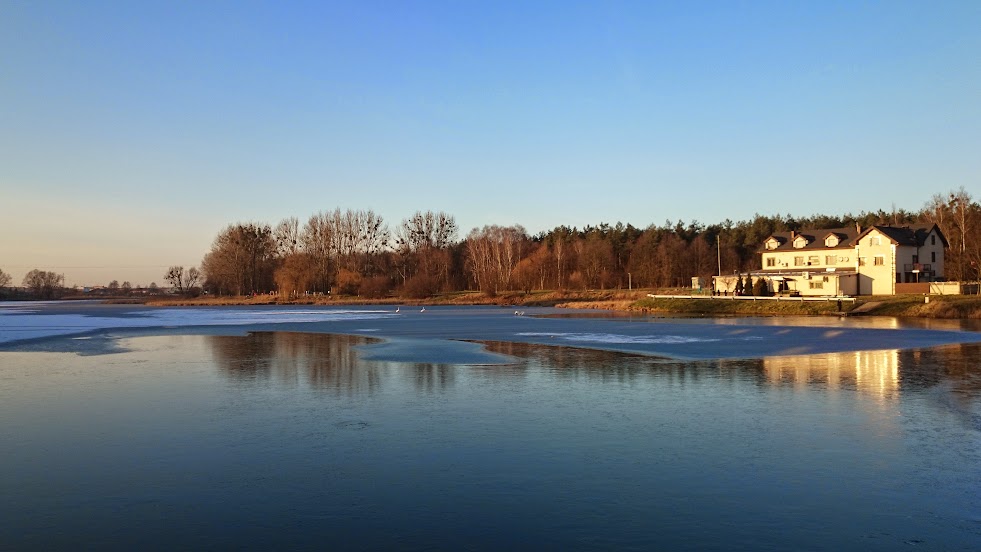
point(273, 439)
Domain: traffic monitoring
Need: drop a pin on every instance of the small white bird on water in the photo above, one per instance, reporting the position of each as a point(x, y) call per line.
point(397, 309)
point(423, 309)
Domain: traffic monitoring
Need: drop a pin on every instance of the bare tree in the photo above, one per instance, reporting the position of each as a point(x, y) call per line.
point(424, 240)
point(240, 260)
point(953, 215)
point(287, 236)
point(182, 280)
point(295, 275)
point(5, 279)
point(319, 242)
point(127, 287)
point(492, 254)
point(43, 285)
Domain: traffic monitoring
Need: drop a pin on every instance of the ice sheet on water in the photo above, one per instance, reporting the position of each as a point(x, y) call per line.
point(19, 325)
point(620, 338)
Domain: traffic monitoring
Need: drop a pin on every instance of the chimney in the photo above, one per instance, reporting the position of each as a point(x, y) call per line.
point(858, 228)
point(793, 235)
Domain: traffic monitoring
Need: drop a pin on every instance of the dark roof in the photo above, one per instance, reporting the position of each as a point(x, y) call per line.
point(815, 239)
point(913, 234)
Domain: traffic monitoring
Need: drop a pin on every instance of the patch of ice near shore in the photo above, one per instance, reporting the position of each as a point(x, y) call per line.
point(620, 338)
point(18, 326)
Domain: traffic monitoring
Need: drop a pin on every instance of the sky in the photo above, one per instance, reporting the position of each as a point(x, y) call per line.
point(131, 133)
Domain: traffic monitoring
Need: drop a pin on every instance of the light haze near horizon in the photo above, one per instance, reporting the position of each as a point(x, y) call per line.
point(132, 132)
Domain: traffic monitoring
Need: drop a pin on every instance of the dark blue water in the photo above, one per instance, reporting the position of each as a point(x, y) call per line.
point(293, 440)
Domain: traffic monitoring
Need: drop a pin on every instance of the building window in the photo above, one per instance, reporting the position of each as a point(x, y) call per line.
point(916, 259)
point(825, 279)
point(813, 260)
point(816, 285)
point(831, 241)
point(933, 256)
point(880, 260)
point(770, 261)
point(861, 261)
point(830, 259)
point(798, 261)
point(875, 240)
point(933, 239)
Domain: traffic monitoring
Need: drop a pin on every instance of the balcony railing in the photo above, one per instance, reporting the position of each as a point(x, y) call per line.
point(917, 267)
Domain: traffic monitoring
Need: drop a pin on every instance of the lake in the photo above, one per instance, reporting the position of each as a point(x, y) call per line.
point(479, 428)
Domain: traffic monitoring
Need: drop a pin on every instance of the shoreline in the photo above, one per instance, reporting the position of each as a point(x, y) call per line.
point(636, 301)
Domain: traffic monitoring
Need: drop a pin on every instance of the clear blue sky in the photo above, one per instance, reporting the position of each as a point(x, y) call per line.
point(132, 132)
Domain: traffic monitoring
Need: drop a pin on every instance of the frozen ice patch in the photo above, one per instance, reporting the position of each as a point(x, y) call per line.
point(620, 338)
point(21, 326)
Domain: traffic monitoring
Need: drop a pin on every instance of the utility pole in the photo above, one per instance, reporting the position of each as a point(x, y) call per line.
point(718, 244)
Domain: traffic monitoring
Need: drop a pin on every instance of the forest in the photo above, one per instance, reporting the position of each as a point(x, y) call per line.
point(355, 252)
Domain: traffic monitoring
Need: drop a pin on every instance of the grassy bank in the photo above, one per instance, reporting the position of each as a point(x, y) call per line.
point(595, 299)
point(949, 306)
point(733, 307)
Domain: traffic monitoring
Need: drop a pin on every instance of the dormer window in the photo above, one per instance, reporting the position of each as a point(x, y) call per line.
point(831, 241)
point(772, 243)
point(800, 241)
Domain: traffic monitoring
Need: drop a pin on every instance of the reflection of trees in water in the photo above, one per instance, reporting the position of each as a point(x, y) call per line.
point(432, 377)
point(567, 361)
point(326, 361)
point(616, 366)
point(954, 365)
point(953, 368)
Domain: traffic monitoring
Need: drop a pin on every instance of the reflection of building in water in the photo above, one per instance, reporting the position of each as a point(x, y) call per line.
point(874, 372)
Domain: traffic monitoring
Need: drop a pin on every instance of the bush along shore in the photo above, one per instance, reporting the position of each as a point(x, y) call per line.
point(946, 306)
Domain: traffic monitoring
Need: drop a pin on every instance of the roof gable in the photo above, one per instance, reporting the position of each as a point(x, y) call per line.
point(914, 235)
point(815, 239)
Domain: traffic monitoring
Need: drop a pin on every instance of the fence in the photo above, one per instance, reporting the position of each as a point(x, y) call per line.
point(751, 298)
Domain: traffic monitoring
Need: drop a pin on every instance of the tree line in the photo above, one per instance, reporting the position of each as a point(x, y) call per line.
point(46, 284)
point(354, 252)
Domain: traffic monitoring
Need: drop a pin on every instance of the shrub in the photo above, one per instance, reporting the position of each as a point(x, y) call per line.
point(348, 282)
point(419, 286)
point(375, 287)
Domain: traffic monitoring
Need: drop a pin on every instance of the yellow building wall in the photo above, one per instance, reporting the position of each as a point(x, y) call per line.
point(844, 258)
point(876, 279)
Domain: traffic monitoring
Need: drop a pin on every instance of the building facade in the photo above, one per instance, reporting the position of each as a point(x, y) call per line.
point(848, 261)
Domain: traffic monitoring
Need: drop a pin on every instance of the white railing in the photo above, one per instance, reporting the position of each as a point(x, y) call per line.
point(753, 297)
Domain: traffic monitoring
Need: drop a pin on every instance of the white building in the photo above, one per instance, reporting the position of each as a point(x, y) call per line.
point(849, 261)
